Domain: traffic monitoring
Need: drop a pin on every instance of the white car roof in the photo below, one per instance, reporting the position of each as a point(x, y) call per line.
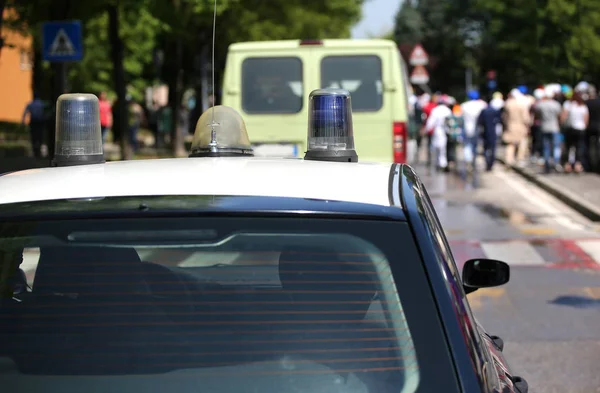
point(234, 176)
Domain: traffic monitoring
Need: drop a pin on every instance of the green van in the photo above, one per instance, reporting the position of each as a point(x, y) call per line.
point(269, 82)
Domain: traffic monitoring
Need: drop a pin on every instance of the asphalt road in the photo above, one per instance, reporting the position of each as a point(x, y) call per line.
point(549, 313)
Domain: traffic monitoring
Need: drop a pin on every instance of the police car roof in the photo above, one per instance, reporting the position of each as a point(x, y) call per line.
point(367, 183)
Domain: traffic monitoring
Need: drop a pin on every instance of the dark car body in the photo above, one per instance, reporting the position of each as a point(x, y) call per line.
point(480, 363)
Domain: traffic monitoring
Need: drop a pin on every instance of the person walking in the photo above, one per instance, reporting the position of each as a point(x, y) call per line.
point(489, 118)
point(498, 103)
point(471, 110)
point(548, 110)
point(455, 131)
point(427, 109)
point(517, 120)
point(537, 151)
point(576, 118)
point(592, 134)
point(36, 110)
point(135, 119)
point(106, 118)
point(436, 127)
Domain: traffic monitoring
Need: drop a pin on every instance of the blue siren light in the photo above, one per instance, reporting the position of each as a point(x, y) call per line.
point(78, 132)
point(330, 131)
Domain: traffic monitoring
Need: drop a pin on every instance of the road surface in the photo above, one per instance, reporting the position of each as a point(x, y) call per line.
point(549, 313)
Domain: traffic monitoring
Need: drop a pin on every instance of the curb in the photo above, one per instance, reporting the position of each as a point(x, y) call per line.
point(583, 207)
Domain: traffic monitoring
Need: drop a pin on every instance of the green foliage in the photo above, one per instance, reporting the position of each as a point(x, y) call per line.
point(409, 25)
point(139, 30)
point(257, 20)
point(537, 41)
point(147, 25)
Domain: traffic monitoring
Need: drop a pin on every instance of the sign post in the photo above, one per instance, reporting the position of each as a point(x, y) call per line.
point(62, 42)
point(491, 80)
point(418, 56)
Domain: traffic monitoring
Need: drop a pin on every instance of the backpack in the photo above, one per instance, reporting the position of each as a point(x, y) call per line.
point(453, 125)
point(37, 112)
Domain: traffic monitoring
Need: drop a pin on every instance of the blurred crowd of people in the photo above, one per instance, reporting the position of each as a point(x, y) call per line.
point(556, 127)
point(40, 117)
point(156, 118)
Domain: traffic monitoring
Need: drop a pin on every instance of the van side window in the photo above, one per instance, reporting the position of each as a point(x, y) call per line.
point(272, 85)
point(360, 75)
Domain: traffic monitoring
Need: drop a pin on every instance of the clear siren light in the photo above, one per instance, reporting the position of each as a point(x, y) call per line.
point(78, 133)
point(221, 133)
point(330, 131)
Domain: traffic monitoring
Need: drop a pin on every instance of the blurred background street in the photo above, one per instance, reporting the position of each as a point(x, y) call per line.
point(549, 312)
point(149, 63)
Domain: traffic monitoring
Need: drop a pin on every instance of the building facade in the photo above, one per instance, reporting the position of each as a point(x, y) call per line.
point(16, 67)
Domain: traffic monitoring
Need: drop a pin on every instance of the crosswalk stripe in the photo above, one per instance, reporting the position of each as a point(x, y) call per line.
point(591, 247)
point(513, 252)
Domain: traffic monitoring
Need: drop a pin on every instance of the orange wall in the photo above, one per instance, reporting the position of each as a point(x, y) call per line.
point(15, 75)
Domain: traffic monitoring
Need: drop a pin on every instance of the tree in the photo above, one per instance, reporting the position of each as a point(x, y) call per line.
point(531, 42)
point(443, 39)
point(409, 25)
point(257, 20)
point(138, 31)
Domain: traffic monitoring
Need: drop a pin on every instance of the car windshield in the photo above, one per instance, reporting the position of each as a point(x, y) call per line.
point(220, 304)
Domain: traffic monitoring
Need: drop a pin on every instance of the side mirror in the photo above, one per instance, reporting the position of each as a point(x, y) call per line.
point(484, 273)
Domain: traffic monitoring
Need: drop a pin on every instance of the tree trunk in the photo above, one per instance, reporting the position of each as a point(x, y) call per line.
point(60, 11)
point(120, 122)
point(2, 5)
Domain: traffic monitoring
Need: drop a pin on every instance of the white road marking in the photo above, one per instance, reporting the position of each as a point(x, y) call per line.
point(515, 253)
point(541, 200)
point(591, 247)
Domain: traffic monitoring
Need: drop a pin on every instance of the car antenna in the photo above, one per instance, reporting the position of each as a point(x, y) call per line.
point(213, 124)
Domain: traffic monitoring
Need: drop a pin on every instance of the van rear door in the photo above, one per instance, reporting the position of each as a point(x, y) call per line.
point(365, 72)
point(272, 99)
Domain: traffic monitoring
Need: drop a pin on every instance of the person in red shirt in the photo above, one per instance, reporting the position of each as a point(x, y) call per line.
point(433, 102)
point(105, 114)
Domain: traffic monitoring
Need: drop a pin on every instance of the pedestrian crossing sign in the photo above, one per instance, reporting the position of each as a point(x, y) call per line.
point(62, 45)
point(62, 41)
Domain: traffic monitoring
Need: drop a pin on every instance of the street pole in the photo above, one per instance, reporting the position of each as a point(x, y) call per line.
point(60, 75)
point(468, 79)
point(468, 73)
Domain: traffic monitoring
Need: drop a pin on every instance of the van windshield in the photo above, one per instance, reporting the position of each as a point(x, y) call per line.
point(360, 75)
point(272, 85)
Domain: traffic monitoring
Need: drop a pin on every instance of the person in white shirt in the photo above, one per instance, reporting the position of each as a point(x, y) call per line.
point(575, 117)
point(471, 111)
point(436, 124)
point(497, 103)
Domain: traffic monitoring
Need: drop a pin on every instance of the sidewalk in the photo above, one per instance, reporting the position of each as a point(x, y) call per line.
point(579, 191)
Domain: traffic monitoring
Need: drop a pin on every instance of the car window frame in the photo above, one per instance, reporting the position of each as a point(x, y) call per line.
point(271, 58)
point(478, 349)
point(381, 72)
point(411, 192)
